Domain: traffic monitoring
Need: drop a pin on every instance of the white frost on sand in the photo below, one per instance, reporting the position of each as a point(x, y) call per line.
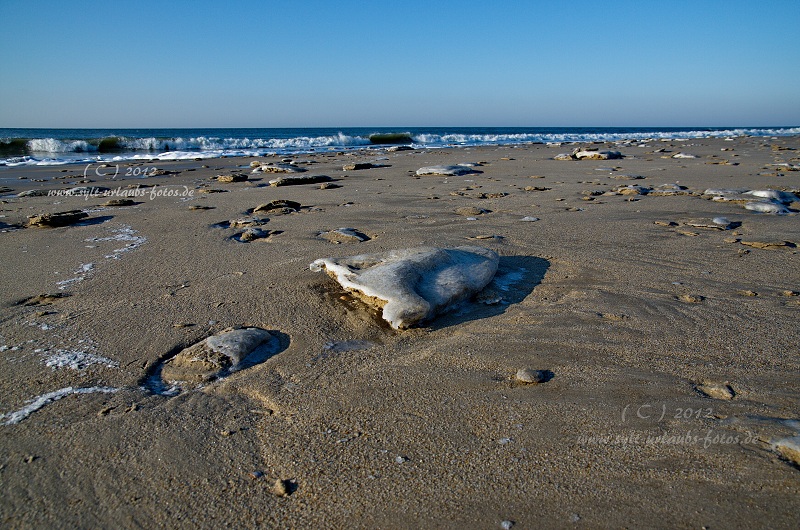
point(77, 360)
point(415, 283)
point(83, 270)
point(124, 234)
point(39, 402)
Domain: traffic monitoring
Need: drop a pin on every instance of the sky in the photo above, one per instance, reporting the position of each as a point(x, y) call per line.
point(309, 63)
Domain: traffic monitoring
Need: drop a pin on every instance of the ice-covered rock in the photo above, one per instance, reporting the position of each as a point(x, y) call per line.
point(452, 171)
point(220, 354)
point(413, 285)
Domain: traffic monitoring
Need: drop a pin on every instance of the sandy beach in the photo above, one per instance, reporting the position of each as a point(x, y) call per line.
point(664, 322)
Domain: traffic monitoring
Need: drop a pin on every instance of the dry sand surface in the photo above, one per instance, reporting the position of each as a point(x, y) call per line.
point(668, 349)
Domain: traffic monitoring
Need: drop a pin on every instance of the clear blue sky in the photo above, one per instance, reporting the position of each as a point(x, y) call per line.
point(399, 63)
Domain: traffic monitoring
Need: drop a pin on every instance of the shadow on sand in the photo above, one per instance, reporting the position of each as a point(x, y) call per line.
point(515, 279)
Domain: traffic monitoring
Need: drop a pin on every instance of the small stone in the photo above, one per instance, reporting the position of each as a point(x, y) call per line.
point(401, 459)
point(256, 474)
point(748, 293)
point(529, 219)
point(666, 223)
point(328, 186)
point(530, 376)
point(281, 488)
point(200, 207)
point(790, 293)
point(507, 525)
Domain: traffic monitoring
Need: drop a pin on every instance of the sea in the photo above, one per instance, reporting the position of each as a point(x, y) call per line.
point(51, 147)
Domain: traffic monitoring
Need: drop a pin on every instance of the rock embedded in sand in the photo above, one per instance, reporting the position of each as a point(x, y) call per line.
point(219, 354)
point(716, 390)
point(766, 207)
point(470, 211)
point(591, 154)
point(44, 299)
point(33, 193)
point(294, 181)
point(279, 168)
point(237, 177)
point(278, 204)
point(358, 166)
point(413, 285)
point(588, 154)
point(774, 195)
point(771, 245)
point(251, 234)
point(632, 190)
point(451, 171)
point(53, 220)
point(530, 376)
point(119, 202)
point(247, 222)
point(344, 235)
point(789, 448)
point(691, 298)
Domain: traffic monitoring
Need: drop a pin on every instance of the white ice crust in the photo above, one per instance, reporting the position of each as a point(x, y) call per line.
point(416, 283)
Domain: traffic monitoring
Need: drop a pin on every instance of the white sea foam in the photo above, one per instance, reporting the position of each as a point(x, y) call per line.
point(39, 402)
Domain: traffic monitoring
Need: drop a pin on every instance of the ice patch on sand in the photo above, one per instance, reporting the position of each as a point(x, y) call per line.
point(39, 402)
point(77, 360)
point(413, 285)
point(124, 234)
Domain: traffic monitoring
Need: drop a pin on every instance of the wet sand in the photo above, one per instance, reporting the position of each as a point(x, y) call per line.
point(670, 347)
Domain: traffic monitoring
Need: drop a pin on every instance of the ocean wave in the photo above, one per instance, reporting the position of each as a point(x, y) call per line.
point(17, 151)
point(522, 138)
